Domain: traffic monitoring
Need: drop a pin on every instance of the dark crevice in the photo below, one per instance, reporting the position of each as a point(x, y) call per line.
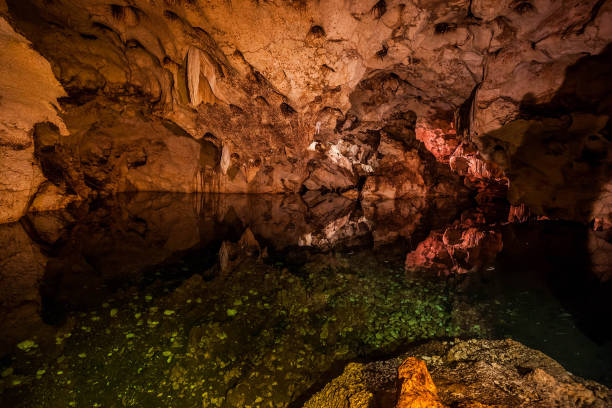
point(463, 116)
point(379, 9)
point(117, 11)
point(317, 31)
point(287, 109)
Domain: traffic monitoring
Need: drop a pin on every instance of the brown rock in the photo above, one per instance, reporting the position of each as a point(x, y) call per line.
point(330, 177)
point(351, 194)
point(28, 95)
point(504, 373)
point(49, 197)
point(407, 173)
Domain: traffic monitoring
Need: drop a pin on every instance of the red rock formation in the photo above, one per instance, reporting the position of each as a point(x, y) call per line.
point(431, 254)
point(462, 156)
point(457, 250)
point(440, 141)
point(467, 161)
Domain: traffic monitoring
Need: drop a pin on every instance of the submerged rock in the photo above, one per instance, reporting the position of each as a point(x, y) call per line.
point(231, 254)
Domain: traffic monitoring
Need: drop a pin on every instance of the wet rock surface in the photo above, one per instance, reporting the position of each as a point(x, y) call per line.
point(510, 374)
point(472, 373)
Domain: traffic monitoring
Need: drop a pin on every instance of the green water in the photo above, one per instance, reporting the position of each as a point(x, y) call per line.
point(260, 333)
point(171, 329)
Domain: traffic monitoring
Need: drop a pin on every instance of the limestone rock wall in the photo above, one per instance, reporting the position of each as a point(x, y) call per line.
point(28, 94)
point(265, 97)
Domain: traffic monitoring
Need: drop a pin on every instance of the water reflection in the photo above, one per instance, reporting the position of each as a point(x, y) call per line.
point(169, 299)
point(83, 255)
point(469, 244)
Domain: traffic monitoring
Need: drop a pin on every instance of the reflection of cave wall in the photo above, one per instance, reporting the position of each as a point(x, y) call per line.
point(54, 261)
point(22, 266)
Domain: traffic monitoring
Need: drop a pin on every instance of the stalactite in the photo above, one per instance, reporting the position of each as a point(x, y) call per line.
point(201, 77)
point(225, 159)
point(193, 76)
point(210, 72)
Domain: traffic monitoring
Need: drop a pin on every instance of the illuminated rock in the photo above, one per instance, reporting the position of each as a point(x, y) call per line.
point(417, 389)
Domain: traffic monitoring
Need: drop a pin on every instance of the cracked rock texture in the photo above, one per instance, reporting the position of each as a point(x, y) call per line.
point(374, 99)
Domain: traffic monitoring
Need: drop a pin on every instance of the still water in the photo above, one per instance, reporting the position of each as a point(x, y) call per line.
point(170, 300)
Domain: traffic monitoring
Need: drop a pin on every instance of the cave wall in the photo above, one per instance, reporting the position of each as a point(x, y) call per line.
point(373, 99)
point(28, 94)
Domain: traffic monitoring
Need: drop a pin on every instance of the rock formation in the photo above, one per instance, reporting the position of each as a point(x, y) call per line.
point(28, 95)
point(466, 374)
point(387, 98)
point(469, 244)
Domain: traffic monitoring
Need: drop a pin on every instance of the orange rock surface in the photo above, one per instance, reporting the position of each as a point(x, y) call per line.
point(417, 389)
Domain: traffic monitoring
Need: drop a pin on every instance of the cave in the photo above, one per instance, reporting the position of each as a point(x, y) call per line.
point(306, 203)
